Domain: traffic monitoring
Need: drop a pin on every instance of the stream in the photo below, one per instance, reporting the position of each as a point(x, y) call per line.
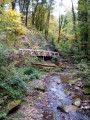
point(56, 88)
point(56, 102)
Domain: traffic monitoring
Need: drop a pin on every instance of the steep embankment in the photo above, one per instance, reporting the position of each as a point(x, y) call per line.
point(32, 40)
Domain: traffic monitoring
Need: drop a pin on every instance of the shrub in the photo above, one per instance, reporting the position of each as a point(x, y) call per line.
point(55, 60)
point(11, 27)
point(13, 80)
point(84, 71)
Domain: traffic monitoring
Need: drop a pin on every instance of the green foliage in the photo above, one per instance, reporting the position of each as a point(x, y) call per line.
point(65, 48)
point(46, 69)
point(84, 71)
point(83, 18)
point(11, 26)
point(55, 60)
point(13, 80)
point(4, 54)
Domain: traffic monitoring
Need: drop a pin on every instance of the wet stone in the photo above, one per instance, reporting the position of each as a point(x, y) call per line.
point(77, 102)
point(67, 92)
point(67, 108)
point(86, 90)
point(72, 82)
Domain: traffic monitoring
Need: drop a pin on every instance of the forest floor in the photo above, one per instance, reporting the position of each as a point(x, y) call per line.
point(35, 102)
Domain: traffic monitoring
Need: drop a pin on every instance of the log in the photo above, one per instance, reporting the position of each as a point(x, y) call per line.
point(48, 65)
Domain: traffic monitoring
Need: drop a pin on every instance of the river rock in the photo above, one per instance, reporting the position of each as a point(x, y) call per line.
point(66, 76)
point(58, 82)
point(1, 101)
point(67, 108)
point(41, 89)
point(72, 82)
point(77, 102)
point(9, 107)
point(58, 70)
point(67, 92)
point(86, 89)
point(60, 99)
point(79, 83)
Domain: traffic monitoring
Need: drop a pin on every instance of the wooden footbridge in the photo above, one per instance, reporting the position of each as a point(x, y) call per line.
point(42, 53)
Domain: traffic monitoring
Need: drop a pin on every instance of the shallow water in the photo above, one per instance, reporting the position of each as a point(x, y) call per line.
point(56, 88)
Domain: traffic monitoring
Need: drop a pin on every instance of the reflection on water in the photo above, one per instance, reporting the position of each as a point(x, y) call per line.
point(57, 96)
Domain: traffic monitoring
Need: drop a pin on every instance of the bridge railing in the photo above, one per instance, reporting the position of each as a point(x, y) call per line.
point(33, 52)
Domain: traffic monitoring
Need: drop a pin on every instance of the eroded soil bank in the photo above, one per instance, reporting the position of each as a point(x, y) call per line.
point(54, 97)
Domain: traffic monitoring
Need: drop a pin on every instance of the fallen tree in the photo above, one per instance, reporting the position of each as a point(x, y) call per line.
point(49, 65)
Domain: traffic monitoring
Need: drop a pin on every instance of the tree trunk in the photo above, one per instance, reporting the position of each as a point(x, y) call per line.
point(48, 19)
point(60, 22)
point(26, 16)
point(13, 5)
point(33, 13)
point(74, 20)
point(47, 24)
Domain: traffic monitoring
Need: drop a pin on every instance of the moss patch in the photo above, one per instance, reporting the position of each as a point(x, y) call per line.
point(9, 107)
point(71, 82)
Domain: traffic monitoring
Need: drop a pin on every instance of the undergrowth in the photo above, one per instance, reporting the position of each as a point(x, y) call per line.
point(13, 80)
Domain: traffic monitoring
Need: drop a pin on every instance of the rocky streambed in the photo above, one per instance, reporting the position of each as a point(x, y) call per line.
point(66, 97)
point(56, 96)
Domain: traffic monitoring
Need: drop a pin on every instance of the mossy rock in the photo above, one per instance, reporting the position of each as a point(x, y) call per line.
point(60, 99)
point(31, 103)
point(86, 85)
point(1, 101)
point(67, 92)
point(86, 90)
point(71, 82)
point(66, 76)
point(77, 102)
point(13, 104)
point(9, 107)
point(67, 108)
point(58, 70)
point(58, 82)
point(40, 89)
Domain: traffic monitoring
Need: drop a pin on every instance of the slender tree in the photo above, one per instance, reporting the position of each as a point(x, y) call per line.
point(27, 2)
point(60, 19)
point(13, 4)
point(48, 18)
point(34, 12)
point(24, 8)
point(74, 20)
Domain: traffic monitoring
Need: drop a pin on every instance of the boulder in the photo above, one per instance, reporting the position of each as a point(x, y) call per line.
point(6, 109)
point(67, 108)
point(67, 92)
point(77, 102)
point(86, 89)
point(71, 82)
point(41, 89)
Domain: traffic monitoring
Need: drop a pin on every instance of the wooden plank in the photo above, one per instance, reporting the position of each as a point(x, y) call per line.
point(46, 65)
point(37, 50)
